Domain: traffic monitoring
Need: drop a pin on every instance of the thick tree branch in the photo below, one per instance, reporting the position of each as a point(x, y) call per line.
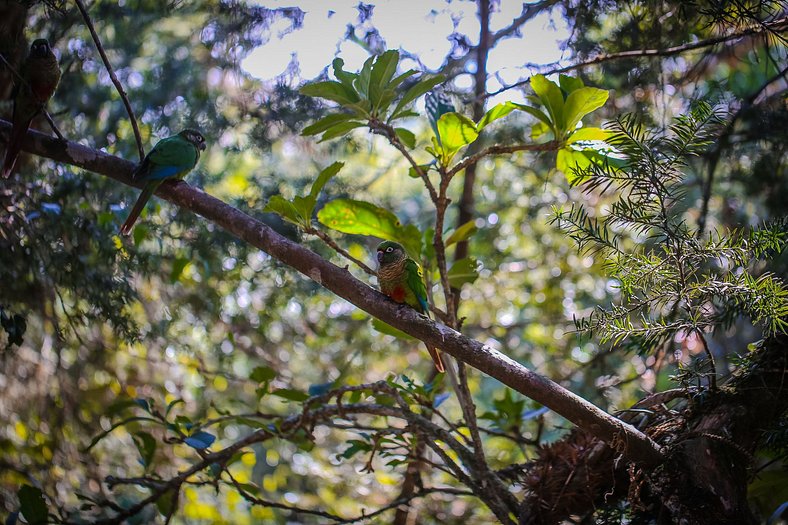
point(636, 446)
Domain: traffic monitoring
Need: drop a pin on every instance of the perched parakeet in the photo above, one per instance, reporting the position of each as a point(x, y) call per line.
point(41, 75)
point(171, 158)
point(401, 279)
point(437, 103)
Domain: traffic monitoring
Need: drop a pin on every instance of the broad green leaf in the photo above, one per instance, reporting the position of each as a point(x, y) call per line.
point(331, 90)
point(494, 113)
point(396, 81)
point(284, 208)
point(340, 129)
point(362, 82)
point(178, 265)
point(569, 161)
point(539, 129)
point(387, 329)
point(345, 77)
point(304, 207)
point(588, 134)
point(406, 137)
point(324, 177)
point(262, 374)
point(536, 112)
point(359, 217)
point(403, 113)
point(409, 236)
point(456, 131)
point(355, 447)
point(569, 84)
point(550, 95)
point(383, 70)
point(32, 505)
point(580, 103)
point(417, 90)
point(463, 271)
point(462, 233)
point(386, 97)
point(290, 394)
point(326, 122)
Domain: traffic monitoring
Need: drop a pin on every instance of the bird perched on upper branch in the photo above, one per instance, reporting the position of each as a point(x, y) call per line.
point(40, 76)
point(401, 279)
point(170, 159)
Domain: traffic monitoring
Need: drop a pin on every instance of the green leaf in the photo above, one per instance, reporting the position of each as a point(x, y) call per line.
point(331, 90)
point(32, 505)
point(496, 112)
point(387, 329)
point(146, 445)
point(588, 134)
point(355, 447)
point(178, 265)
point(326, 122)
point(340, 129)
point(382, 72)
point(325, 175)
point(569, 84)
point(396, 81)
point(345, 77)
point(406, 137)
point(569, 161)
point(462, 233)
point(304, 207)
point(167, 503)
point(359, 217)
point(551, 97)
point(415, 91)
point(172, 404)
point(580, 103)
point(284, 208)
point(291, 394)
point(536, 112)
point(262, 374)
point(362, 82)
point(456, 131)
point(415, 174)
point(463, 271)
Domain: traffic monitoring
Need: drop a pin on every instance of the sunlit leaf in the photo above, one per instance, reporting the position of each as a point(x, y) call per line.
point(580, 103)
point(463, 271)
point(359, 217)
point(331, 90)
point(340, 129)
point(462, 233)
point(588, 134)
point(551, 97)
point(284, 208)
point(178, 265)
point(456, 131)
point(569, 84)
point(495, 113)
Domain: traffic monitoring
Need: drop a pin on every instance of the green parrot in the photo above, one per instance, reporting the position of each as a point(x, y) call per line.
point(171, 158)
point(401, 279)
point(41, 75)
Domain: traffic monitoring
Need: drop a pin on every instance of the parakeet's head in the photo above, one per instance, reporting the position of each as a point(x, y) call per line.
point(40, 48)
point(195, 137)
point(390, 252)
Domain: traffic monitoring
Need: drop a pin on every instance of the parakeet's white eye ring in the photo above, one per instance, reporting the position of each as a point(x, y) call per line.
point(389, 249)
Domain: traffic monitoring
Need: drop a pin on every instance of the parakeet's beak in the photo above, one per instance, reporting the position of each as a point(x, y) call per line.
point(202, 146)
point(380, 256)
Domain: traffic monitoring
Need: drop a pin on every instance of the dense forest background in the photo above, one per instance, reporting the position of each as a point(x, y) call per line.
point(184, 375)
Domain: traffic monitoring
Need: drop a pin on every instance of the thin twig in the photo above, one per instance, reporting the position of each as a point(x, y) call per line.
point(777, 26)
point(113, 77)
point(323, 236)
point(499, 149)
point(43, 109)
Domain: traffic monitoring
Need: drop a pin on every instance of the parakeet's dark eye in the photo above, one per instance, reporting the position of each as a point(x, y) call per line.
point(389, 249)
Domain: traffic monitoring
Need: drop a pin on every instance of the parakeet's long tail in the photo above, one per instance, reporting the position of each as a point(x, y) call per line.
point(147, 191)
point(14, 146)
point(436, 358)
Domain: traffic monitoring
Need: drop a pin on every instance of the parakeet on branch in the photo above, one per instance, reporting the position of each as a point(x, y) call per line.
point(171, 158)
point(437, 103)
point(401, 279)
point(40, 75)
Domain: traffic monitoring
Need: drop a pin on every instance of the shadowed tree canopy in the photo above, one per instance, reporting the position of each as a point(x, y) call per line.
point(601, 237)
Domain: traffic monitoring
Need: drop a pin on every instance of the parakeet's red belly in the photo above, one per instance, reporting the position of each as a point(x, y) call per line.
point(397, 293)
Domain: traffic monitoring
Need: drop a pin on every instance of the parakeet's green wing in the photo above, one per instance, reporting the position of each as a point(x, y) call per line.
point(174, 151)
point(415, 280)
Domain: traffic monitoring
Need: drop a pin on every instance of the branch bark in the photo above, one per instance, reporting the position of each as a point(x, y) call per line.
point(635, 446)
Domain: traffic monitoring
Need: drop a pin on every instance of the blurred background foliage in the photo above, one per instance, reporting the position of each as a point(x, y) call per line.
point(184, 311)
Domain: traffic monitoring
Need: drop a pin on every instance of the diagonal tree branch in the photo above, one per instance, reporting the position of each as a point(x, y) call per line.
point(113, 77)
point(776, 26)
point(636, 446)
